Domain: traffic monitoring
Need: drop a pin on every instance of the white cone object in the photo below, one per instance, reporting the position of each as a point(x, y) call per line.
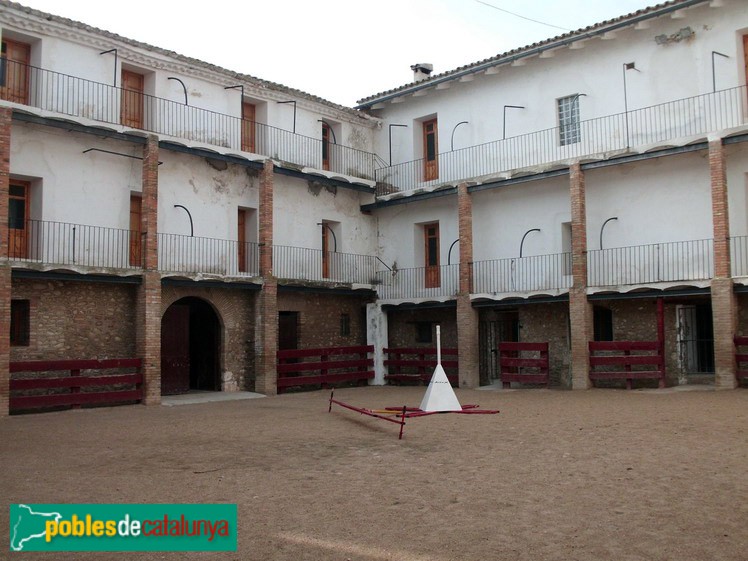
point(439, 395)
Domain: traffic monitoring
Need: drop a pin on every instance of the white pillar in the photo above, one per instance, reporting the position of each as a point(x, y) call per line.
point(376, 335)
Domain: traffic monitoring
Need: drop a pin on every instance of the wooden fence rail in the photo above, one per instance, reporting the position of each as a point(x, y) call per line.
point(75, 382)
point(328, 366)
point(628, 361)
point(741, 359)
point(512, 360)
point(419, 364)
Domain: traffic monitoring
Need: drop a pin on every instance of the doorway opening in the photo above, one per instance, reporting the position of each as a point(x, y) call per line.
point(495, 327)
point(695, 339)
point(190, 347)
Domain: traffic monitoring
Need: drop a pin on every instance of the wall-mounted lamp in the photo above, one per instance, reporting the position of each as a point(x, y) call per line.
point(449, 253)
point(714, 77)
point(522, 243)
point(503, 129)
point(192, 229)
point(183, 87)
point(294, 112)
point(603, 227)
point(452, 140)
point(627, 66)
point(241, 101)
point(390, 138)
point(329, 126)
point(334, 238)
point(115, 62)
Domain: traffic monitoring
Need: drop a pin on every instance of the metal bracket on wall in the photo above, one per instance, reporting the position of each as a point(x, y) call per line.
point(115, 154)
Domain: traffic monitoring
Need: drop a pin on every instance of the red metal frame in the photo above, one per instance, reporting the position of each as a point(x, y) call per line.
point(511, 360)
point(406, 412)
point(344, 369)
point(398, 360)
point(75, 398)
point(741, 357)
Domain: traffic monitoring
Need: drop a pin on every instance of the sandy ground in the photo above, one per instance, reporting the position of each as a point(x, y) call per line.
point(597, 475)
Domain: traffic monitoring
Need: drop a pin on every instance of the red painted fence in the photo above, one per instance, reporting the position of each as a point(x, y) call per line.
point(324, 366)
point(628, 361)
point(419, 364)
point(98, 387)
point(741, 359)
point(511, 361)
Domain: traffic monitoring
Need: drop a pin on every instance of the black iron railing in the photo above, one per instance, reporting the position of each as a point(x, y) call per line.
point(78, 97)
point(522, 274)
point(682, 118)
point(304, 264)
point(642, 264)
point(62, 243)
point(419, 283)
point(189, 254)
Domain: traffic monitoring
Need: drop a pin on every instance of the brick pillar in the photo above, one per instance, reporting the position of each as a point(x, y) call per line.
point(580, 309)
point(467, 316)
point(5, 271)
point(724, 304)
point(148, 335)
point(266, 329)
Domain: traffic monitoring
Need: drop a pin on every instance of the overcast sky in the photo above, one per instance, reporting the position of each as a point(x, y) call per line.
point(341, 50)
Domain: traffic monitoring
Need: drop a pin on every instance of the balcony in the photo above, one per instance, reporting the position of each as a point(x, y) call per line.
point(640, 129)
point(196, 256)
point(78, 97)
point(523, 274)
point(315, 265)
point(653, 263)
point(419, 283)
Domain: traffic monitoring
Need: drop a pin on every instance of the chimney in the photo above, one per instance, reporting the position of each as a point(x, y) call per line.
point(421, 71)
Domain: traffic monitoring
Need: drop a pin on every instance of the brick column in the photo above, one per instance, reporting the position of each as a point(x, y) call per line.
point(5, 271)
point(266, 328)
point(467, 316)
point(580, 309)
point(148, 335)
point(724, 304)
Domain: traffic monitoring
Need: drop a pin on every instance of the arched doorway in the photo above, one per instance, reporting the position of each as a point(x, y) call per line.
point(190, 343)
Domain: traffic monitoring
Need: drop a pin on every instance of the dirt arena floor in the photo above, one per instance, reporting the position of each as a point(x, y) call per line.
point(558, 475)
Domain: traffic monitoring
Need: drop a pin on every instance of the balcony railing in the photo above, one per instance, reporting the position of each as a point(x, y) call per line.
point(419, 282)
point(522, 274)
point(739, 256)
point(642, 264)
point(61, 243)
point(78, 97)
point(193, 255)
point(305, 264)
point(687, 117)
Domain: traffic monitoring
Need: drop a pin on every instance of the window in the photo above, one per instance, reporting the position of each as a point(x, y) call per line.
point(20, 323)
point(325, 146)
point(603, 324)
point(568, 120)
point(18, 219)
point(431, 254)
point(424, 332)
point(345, 325)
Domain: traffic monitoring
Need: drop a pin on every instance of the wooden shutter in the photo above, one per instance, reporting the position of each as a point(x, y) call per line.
point(15, 71)
point(131, 112)
point(248, 127)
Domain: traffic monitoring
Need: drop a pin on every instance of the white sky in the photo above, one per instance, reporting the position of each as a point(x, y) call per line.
point(341, 50)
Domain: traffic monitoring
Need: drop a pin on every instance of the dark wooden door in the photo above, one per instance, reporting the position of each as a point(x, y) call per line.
point(431, 252)
point(288, 331)
point(325, 146)
point(430, 151)
point(325, 251)
point(136, 205)
point(241, 240)
point(175, 350)
point(18, 220)
point(15, 71)
point(131, 113)
point(248, 127)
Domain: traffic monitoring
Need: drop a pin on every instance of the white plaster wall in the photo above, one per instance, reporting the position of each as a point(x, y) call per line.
point(401, 239)
point(668, 72)
point(298, 209)
point(502, 216)
point(92, 189)
point(659, 200)
point(737, 188)
point(212, 196)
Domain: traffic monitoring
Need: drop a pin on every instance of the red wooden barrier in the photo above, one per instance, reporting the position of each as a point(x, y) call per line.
point(511, 360)
point(419, 363)
point(740, 358)
point(627, 361)
point(75, 382)
point(333, 364)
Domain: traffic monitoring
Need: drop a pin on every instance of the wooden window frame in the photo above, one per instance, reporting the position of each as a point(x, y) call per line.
point(18, 246)
point(326, 146)
point(430, 160)
point(433, 270)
